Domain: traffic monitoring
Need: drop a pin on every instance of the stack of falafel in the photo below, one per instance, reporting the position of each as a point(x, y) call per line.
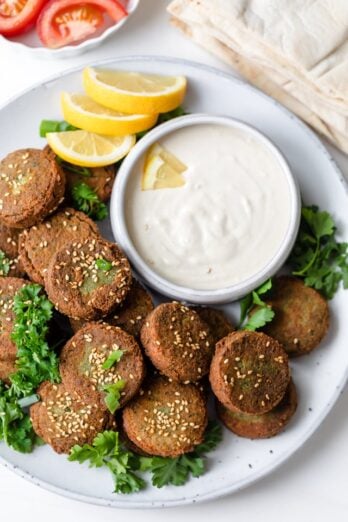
point(164, 355)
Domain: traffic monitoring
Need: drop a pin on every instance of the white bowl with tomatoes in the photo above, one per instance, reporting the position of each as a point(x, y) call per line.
point(61, 28)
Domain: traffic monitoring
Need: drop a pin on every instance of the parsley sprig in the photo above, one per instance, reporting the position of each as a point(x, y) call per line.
point(36, 362)
point(263, 312)
point(107, 450)
point(317, 256)
point(176, 471)
point(5, 264)
point(113, 395)
point(125, 466)
point(85, 199)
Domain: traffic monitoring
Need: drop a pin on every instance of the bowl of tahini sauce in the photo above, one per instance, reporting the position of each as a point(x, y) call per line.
point(206, 209)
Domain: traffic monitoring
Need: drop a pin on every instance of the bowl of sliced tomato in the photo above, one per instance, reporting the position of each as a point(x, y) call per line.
point(61, 28)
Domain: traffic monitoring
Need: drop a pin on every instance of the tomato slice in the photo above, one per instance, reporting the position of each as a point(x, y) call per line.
point(17, 15)
point(63, 22)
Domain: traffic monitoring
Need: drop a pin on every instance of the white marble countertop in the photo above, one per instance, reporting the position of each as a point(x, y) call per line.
point(312, 485)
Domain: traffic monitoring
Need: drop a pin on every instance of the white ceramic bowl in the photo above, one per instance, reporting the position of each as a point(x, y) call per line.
point(29, 42)
point(143, 270)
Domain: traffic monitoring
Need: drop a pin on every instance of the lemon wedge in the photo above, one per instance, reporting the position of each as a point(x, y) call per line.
point(132, 92)
point(162, 169)
point(87, 149)
point(83, 112)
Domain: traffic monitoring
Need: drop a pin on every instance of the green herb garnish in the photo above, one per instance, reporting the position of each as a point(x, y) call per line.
point(317, 257)
point(47, 126)
point(103, 264)
point(113, 395)
point(35, 362)
point(263, 313)
point(85, 199)
point(113, 358)
point(125, 466)
point(106, 450)
point(5, 264)
point(176, 471)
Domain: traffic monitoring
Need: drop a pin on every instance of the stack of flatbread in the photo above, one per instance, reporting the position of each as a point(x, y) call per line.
point(294, 50)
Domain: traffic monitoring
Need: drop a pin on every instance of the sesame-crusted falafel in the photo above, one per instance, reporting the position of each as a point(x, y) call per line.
point(9, 286)
point(178, 342)
point(302, 317)
point(219, 325)
point(31, 187)
point(88, 280)
point(167, 418)
point(249, 372)
point(9, 246)
point(260, 426)
point(63, 419)
point(38, 244)
point(83, 357)
point(130, 315)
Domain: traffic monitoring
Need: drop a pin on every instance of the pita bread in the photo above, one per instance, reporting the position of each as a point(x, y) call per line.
point(325, 110)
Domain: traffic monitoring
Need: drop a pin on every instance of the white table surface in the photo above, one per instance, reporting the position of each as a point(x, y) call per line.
point(312, 485)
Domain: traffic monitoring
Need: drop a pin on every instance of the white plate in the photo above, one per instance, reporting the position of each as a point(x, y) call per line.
point(30, 42)
point(319, 377)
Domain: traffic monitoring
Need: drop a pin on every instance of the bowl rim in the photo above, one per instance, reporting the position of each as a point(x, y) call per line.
point(42, 51)
point(144, 271)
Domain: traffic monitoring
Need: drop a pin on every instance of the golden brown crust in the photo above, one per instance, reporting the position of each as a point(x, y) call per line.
point(260, 426)
point(38, 244)
point(218, 323)
point(84, 354)
point(31, 187)
point(178, 342)
point(249, 372)
point(167, 419)
point(82, 290)
point(63, 419)
point(302, 316)
point(130, 315)
point(9, 245)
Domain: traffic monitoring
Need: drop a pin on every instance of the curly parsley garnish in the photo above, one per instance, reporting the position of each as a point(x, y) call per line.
point(103, 264)
point(106, 450)
point(85, 199)
point(317, 256)
point(176, 471)
point(125, 466)
point(263, 313)
point(5, 264)
point(36, 362)
point(113, 395)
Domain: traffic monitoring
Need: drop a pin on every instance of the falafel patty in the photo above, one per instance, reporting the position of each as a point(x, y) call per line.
point(63, 419)
point(9, 286)
point(302, 317)
point(31, 187)
point(9, 246)
point(88, 280)
point(130, 315)
point(217, 321)
point(38, 244)
point(101, 179)
point(249, 372)
point(167, 418)
point(260, 426)
point(83, 358)
point(178, 342)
